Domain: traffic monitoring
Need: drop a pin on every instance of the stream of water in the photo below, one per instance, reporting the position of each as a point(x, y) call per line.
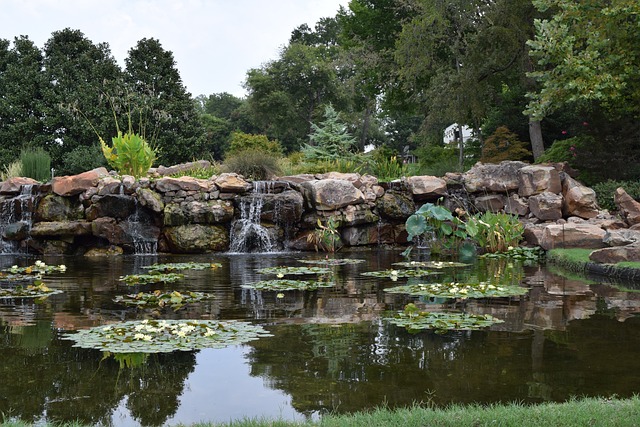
point(331, 350)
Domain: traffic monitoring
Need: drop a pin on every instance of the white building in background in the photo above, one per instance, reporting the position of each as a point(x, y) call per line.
point(452, 134)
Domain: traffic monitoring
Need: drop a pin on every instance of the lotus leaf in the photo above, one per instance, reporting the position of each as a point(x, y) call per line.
point(459, 290)
point(396, 274)
point(283, 271)
point(144, 279)
point(176, 266)
point(158, 298)
point(442, 321)
point(430, 264)
point(345, 261)
point(37, 290)
point(288, 285)
point(164, 336)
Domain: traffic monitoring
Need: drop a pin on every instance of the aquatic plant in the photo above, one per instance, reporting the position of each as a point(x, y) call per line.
point(431, 264)
point(288, 285)
point(459, 290)
point(173, 299)
point(177, 266)
point(332, 261)
point(145, 279)
point(284, 271)
point(415, 320)
point(38, 268)
point(37, 290)
point(396, 274)
point(164, 336)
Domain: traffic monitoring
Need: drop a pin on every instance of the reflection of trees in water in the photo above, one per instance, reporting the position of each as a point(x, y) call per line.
point(44, 375)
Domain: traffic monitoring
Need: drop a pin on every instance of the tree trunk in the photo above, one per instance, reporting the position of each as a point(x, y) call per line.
point(535, 135)
point(461, 145)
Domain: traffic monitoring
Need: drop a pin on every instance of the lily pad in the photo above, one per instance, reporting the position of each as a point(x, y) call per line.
point(396, 274)
point(442, 321)
point(145, 279)
point(178, 266)
point(38, 268)
point(173, 299)
point(284, 271)
point(430, 264)
point(345, 261)
point(459, 290)
point(164, 336)
point(288, 285)
point(37, 290)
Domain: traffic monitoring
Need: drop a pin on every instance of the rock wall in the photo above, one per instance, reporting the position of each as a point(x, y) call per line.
point(98, 212)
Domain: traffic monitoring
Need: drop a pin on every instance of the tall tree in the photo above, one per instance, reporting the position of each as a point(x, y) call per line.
point(168, 112)
point(79, 75)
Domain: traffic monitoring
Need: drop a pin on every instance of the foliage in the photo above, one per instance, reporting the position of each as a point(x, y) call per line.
point(437, 160)
point(240, 141)
point(431, 264)
point(586, 53)
point(436, 227)
point(288, 285)
point(332, 261)
point(173, 299)
point(11, 170)
point(145, 279)
point(534, 254)
point(504, 145)
point(459, 290)
point(563, 150)
point(82, 159)
point(36, 290)
point(252, 164)
point(38, 268)
point(396, 274)
point(326, 236)
point(36, 164)
point(495, 232)
point(177, 266)
point(130, 154)
point(285, 271)
point(163, 336)
point(200, 173)
point(330, 140)
point(415, 320)
point(386, 169)
point(606, 189)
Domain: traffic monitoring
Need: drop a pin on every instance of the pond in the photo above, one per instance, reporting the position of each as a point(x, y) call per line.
point(330, 351)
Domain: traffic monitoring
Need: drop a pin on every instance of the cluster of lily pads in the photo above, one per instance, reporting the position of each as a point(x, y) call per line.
point(164, 336)
point(158, 298)
point(415, 320)
point(178, 266)
point(32, 275)
point(288, 285)
point(458, 290)
point(396, 274)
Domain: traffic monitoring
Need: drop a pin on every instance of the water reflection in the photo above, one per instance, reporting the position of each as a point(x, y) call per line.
point(330, 350)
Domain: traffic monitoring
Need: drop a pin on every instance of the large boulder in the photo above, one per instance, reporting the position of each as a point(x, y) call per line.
point(498, 178)
point(150, 199)
point(232, 183)
point(621, 237)
point(13, 186)
point(546, 206)
point(516, 205)
point(209, 212)
point(331, 194)
point(60, 228)
point(76, 184)
point(57, 208)
point(426, 187)
point(628, 207)
point(536, 179)
point(395, 205)
point(572, 236)
point(183, 183)
point(490, 203)
point(579, 200)
point(113, 206)
point(283, 208)
point(197, 238)
point(182, 168)
point(616, 254)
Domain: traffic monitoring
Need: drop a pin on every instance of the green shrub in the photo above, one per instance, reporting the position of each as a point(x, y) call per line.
point(495, 232)
point(386, 169)
point(130, 154)
point(11, 170)
point(82, 159)
point(36, 164)
point(200, 173)
point(504, 145)
point(562, 151)
point(252, 164)
point(240, 141)
point(605, 190)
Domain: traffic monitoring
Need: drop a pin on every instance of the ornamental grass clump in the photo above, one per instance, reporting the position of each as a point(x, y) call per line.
point(36, 164)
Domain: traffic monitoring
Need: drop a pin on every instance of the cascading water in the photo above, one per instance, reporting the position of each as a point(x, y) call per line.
point(143, 238)
point(247, 234)
point(16, 219)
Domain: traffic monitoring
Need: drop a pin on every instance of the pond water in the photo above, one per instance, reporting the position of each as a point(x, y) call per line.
point(330, 350)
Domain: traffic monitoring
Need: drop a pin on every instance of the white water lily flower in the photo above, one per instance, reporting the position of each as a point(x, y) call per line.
point(138, 336)
point(62, 268)
point(181, 334)
point(280, 295)
point(147, 338)
point(210, 332)
point(106, 328)
point(394, 272)
point(40, 264)
point(491, 287)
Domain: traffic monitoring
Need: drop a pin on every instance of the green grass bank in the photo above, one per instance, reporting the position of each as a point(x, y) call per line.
point(576, 412)
point(577, 261)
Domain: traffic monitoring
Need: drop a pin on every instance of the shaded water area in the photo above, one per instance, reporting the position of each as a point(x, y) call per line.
point(330, 349)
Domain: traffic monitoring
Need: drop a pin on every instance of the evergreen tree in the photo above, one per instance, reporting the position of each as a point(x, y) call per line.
point(330, 140)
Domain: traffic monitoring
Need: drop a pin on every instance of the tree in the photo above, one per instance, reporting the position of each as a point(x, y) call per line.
point(330, 140)
point(168, 112)
point(587, 54)
point(79, 75)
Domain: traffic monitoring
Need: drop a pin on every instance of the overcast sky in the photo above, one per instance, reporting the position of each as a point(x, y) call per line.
point(214, 42)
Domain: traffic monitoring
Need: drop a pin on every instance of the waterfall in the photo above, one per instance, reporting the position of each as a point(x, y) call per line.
point(247, 234)
point(16, 219)
point(143, 239)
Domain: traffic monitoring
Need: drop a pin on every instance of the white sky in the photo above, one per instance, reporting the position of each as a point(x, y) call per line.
point(214, 42)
